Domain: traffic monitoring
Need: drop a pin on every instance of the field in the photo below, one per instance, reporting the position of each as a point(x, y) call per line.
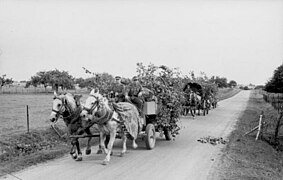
point(13, 112)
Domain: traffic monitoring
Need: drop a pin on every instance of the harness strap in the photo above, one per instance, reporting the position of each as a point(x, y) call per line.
point(76, 115)
point(106, 117)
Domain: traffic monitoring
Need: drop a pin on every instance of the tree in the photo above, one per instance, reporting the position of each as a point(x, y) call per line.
point(35, 81)
point(275, 84)
point(54, 78)
point(220, 81)
point(41, 77)
point(232, 84)
point(61, 79)
point(79, 81)
point(5, 81)
point(103, 81)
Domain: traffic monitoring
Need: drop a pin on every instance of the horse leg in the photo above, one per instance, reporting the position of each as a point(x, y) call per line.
point(80, 158)
point(109, 146)
point(77, 155)
point(100, 149)
point(135, 146)
point(102, 137)
point(192, 112)
point(124, 140)
point(88, 147)
point(73, 151)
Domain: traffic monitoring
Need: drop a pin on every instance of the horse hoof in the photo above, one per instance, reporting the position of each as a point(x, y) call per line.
point(74, 156)
point(105, 162)
point(99, 151)
point(87, 151)
point(79, 158)
point(122, 154)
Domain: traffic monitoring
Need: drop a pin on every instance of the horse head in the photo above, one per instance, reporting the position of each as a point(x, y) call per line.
point(64, 105)
point(91, 106)
point(95, 106)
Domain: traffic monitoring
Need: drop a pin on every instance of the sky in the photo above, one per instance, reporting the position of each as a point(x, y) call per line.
point(241, 40)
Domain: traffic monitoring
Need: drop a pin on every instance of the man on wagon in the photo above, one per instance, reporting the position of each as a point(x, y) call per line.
point(134, 94)
point(117, 90)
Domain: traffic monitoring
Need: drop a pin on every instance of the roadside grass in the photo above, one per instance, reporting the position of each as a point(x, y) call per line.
point(246, 158)
point(225, 93)
point(26, 149)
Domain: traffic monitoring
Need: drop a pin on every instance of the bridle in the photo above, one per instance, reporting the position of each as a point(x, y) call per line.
point(102, 119)
point(95, 105)
point(62, 109)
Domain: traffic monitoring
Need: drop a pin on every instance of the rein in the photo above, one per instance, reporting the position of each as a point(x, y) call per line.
point(105, 118)
point(91, 109)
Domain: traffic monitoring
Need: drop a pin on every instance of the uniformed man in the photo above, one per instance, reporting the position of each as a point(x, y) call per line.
point(117, 90)
point(134, 94)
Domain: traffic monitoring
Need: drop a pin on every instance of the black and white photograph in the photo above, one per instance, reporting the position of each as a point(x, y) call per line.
point(141, 89)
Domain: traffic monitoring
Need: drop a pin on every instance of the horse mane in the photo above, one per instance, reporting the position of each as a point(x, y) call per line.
point(70, 100)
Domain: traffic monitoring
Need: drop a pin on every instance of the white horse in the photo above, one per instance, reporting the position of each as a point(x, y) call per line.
point(123, 118)
point(69, 108)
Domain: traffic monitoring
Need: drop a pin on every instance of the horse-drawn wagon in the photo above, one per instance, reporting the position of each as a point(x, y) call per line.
point(121, 120)
point(199, 97)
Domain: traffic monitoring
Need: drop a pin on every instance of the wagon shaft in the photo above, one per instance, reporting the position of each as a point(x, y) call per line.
point(84, 136)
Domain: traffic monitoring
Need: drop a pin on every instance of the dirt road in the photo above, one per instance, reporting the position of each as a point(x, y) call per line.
point(184, 158)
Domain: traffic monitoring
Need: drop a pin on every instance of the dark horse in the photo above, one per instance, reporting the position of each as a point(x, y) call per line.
point(69, 108)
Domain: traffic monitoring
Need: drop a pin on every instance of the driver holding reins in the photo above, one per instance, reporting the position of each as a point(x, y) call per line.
point(134, 94)
point(118, 90)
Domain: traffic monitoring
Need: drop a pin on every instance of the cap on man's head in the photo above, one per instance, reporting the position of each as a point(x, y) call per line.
point(117, 77)
point(135, 78)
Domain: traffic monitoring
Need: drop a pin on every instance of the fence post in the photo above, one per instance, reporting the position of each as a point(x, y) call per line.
point(27, 120)
point(259, 126)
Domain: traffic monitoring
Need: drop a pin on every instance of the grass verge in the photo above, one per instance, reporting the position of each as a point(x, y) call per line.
point(23, 150)
point(246, 158)
point(225, 93)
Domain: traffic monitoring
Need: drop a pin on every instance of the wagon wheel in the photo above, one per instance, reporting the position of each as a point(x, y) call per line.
point(167, 133)
point(150, 136)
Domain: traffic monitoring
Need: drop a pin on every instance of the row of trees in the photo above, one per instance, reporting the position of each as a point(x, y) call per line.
point(62, 79)
point(221, 82)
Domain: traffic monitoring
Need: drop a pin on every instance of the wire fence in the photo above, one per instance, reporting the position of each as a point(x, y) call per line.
point(36, 90)
point(276, 100)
